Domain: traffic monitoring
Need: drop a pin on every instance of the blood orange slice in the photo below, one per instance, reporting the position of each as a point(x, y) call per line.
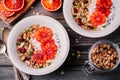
point(51, 5)
point(104, 10)
point(39, 57)
point(13, 5)
point(4, 12)
point(104, 3)
point(97, 18)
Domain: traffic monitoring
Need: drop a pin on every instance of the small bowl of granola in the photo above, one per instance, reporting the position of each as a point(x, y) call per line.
point(103, 56)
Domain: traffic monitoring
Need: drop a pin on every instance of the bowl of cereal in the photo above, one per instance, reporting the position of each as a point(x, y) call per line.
point(38, 45)
point(92, 18)
point(104, 56)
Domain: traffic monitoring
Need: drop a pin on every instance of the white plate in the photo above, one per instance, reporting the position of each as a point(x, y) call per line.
point(56, 27)
point(114, 24)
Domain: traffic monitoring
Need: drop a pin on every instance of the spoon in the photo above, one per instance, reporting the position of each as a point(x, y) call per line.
point(3, 48)
point(18, 77)
point(18, 74)
point(3, 51)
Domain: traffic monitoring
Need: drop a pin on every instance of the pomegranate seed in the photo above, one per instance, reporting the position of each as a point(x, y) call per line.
point(75, 10)
point(79, 21)
point(21, 40)
point(22, 50)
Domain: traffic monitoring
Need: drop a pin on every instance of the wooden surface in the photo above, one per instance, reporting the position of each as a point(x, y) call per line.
point(12, 19)
point(71, 69)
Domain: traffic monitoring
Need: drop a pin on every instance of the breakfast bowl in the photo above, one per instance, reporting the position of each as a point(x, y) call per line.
point(104, 56)
point(88, 18)
point(35, 62)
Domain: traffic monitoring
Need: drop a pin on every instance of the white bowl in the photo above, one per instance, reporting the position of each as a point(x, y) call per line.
point(56, 27)
point(93, 34)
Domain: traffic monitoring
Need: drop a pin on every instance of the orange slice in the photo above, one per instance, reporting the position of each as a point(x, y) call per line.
point(50, 49)
point(51, 5)
point(104, 10)
point(4, 12)
point(104, 3)
point(43, 34)
point(39, 57)
point(13, 5)
point(97, 18)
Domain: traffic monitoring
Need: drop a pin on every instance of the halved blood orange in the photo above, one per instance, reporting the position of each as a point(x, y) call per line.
point(13, 5)
point(4, 12)
point(51, 5)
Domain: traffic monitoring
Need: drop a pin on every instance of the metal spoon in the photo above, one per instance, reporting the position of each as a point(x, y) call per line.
point(18, 74)
point(3, 48)
point(3, 51)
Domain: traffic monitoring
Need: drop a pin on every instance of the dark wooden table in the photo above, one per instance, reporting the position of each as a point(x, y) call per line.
point(71, 69)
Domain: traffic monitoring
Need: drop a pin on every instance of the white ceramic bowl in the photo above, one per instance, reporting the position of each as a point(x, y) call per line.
point(114, 24)
point(56, 27)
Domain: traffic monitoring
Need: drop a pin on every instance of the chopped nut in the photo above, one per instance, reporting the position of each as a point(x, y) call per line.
point(62, 72)
point(104, 56)
point(2, 28)
point(32, 7)
point(73, 54)
point(37, 13)
point(33, 13)
point(78, 54)
point(27, 62)
point(80, 37)
point(22, 58)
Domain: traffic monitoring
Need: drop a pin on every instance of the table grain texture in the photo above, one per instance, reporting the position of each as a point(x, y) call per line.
point(71, 69)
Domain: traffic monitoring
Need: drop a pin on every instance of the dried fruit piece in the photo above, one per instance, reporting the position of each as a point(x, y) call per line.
point(13, 5)
point(20, 39)
point(22, 50)
point(79, 21)
point(75, 10)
